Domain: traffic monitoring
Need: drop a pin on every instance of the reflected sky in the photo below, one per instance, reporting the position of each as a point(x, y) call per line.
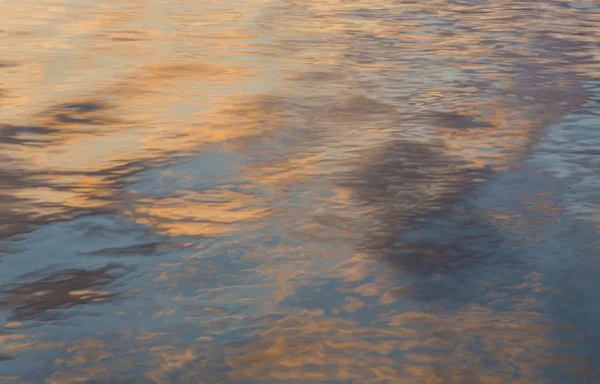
point(299, 191)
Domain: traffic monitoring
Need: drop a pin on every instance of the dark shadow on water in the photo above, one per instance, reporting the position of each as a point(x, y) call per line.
point(10, 134)
point(48, 298)
point(409, 183)
point(86, 113)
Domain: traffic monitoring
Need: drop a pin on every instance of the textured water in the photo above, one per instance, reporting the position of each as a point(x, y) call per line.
point(300, 191)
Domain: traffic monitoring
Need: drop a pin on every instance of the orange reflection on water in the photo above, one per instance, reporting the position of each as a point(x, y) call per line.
point(351, 125)
point(300, 347)
point(213, 213)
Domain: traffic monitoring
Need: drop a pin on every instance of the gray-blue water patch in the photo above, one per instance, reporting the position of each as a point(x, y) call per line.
point(205, 170)
point(582, 6)
point(81, 243)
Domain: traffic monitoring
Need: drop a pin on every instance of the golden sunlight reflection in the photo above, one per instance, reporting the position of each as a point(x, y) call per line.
point(298, 191)
point(188, 213)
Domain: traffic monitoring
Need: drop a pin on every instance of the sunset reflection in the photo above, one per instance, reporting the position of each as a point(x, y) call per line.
point(308, 192)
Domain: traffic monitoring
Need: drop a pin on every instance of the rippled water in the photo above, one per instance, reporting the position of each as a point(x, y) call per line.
point(300, 191)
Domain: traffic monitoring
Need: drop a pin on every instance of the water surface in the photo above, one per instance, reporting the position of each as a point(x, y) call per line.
point(299, 191)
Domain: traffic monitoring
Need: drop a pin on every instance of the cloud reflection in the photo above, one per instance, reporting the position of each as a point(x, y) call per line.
point(308, 192)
